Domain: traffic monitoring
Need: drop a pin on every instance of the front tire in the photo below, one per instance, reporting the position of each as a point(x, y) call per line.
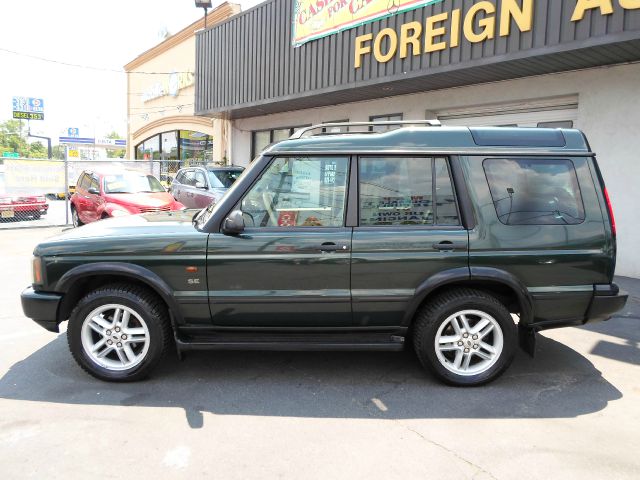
point(119, 332)
point(466, 337)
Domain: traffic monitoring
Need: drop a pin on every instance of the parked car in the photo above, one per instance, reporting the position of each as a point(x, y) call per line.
point(197, 187)
point(20, 206)
point(461, 242)
point(100, 195)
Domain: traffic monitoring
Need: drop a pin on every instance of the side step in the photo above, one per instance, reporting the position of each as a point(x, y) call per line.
point(291, 341)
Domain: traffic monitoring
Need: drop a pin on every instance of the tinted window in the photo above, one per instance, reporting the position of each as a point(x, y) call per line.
point(180, 177)
point(446, 208)
point(400, 191)
point(223, 178)
point(298, 192)
point(535, 191)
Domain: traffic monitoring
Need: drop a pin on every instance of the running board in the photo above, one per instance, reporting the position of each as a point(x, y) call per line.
point(291, 342)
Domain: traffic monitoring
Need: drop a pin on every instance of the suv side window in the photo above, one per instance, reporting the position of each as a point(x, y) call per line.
point(401, 191)
point(538, 191)
point(298, 192)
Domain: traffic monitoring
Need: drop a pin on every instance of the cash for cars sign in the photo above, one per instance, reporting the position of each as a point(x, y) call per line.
point(318, 18)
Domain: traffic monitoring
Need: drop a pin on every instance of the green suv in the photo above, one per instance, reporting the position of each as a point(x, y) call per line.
point(463, 242)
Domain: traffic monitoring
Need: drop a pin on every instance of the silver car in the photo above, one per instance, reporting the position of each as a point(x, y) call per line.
point(198, 187)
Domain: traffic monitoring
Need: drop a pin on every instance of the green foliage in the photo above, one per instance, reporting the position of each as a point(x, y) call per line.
point(120, 153)
point(13, 138)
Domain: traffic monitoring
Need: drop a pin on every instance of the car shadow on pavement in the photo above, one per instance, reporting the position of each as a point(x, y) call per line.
point(558, 383)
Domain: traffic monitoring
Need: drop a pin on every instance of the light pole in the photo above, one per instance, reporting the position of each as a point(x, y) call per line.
point(206, 5)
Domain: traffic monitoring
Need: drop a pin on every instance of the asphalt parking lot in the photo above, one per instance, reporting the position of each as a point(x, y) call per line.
point(572, 412)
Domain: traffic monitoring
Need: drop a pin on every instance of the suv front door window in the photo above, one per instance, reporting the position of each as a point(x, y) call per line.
point(294, 255)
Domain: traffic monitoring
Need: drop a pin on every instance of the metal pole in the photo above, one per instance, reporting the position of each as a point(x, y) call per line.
point(66, 189)
point(205, 17)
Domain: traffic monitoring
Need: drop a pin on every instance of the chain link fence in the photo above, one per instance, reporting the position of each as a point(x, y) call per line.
point(38, 193)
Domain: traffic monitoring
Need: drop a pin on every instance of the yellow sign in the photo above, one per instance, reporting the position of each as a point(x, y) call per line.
point(481, 22)
point(33, 174)
point(319, 18)
point(73, 153)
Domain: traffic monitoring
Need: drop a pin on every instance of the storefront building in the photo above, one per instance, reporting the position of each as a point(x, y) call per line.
point(540, 63)
point(161, 96)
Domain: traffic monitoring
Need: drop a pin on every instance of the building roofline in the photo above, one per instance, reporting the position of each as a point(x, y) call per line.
point(222, 12)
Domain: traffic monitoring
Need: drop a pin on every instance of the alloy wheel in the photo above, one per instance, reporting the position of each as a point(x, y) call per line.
point(469, 342)
point(115, 337)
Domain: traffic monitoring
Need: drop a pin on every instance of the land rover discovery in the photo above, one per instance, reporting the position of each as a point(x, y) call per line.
point(461, 242)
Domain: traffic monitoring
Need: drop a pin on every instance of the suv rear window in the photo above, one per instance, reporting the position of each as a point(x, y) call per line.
point(535, 191)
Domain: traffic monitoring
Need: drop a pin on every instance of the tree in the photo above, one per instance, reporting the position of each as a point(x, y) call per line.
point(12, 139)
point(121, 152)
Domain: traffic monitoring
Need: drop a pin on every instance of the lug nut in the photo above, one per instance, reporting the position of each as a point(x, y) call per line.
point(118, 345)
point(466, 350)
point(475, 346)
point(475, 337)
point(108, 332)
point(109, 342)
point(460, 344)
point(124, 336)
point(117, 329)
point(465, 335)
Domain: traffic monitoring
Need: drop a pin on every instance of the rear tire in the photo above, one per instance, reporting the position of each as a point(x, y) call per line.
point(466, 337)
point(119, 332)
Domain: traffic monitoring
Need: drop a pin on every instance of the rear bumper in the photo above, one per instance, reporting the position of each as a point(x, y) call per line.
point(602, 304)
point(607, 300)
point(41, 307)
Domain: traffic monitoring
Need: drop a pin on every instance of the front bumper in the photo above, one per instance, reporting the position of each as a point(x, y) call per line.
point(42, 308)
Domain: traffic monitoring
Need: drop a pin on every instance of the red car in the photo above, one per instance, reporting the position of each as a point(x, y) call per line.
point(104, 195)
point(22, 207)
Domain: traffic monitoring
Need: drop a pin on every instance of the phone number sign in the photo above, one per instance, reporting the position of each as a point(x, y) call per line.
point(28, 108)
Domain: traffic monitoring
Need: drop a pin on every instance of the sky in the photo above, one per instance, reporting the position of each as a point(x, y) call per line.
point(101, 36)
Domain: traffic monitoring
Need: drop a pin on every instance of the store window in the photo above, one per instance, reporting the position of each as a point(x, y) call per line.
point(396, 117)
point(336, 129)
point(261, 139)
point(187, 146)
point(558, 124)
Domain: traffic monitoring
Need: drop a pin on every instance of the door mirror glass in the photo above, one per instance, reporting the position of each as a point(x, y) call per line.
point(93, 191)
point(233, 224)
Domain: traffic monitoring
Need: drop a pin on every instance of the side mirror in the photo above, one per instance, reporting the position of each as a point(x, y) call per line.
point(93, 191)
point(233, 224)
point(201, 185)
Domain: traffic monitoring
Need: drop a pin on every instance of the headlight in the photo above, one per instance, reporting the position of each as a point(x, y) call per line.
point(37, 270)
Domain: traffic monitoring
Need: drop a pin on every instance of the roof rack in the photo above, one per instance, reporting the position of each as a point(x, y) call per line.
point(302, 131)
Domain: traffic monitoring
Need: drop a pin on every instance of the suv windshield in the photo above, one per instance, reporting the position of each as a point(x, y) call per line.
point(223, 178)
point(131, 183)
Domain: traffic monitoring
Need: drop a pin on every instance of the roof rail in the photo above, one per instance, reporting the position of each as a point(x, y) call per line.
point(421, 123)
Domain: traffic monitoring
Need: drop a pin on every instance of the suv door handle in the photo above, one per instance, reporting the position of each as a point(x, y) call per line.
point(332, 247)
point(447, 245)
